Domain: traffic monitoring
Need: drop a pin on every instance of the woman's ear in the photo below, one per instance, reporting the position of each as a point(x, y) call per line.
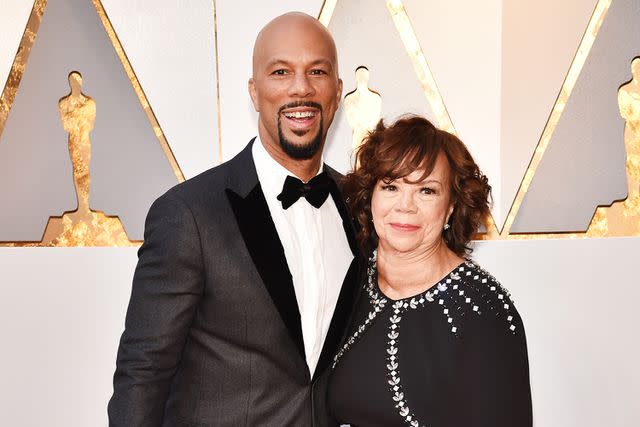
point(451, 207)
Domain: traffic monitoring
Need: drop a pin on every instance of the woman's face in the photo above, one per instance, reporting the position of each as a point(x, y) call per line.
point(409, 217)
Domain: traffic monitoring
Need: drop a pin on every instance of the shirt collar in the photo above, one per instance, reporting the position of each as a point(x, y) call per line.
point(271, 174)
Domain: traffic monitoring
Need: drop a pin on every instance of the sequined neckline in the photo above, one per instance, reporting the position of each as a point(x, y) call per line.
point(441, 285)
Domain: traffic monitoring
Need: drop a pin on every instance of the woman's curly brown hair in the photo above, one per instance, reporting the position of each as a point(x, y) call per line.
point(413, 143)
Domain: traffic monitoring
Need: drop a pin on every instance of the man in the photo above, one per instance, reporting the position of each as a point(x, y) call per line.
point(242, 290)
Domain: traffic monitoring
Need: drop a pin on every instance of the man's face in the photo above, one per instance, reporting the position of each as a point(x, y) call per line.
point(295, 88)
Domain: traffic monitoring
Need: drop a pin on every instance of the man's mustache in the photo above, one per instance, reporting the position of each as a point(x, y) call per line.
point(297, 104)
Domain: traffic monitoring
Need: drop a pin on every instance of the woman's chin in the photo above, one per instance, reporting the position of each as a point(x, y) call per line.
point(401, 246)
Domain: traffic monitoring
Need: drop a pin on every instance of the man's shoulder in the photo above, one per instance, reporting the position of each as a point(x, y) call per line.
point(212, 183)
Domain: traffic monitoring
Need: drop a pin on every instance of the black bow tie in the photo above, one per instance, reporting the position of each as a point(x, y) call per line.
point(315, 191)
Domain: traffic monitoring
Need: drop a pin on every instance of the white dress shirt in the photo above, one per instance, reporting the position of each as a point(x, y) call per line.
point(316, 248)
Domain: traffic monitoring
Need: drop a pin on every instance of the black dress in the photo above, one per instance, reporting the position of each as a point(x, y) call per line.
point(454, 355)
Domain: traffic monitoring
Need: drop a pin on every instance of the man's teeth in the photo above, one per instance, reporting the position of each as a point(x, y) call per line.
point(299, 114)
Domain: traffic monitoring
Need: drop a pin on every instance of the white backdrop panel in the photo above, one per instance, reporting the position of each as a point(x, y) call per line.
point(13, 19)
point(61, 315)
point(171, 47)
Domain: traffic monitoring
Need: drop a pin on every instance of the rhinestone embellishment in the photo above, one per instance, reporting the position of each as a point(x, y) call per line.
point(393, 371)
point(464, 296)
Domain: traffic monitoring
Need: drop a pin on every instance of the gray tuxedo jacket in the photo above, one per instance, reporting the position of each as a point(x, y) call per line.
point(213, 334)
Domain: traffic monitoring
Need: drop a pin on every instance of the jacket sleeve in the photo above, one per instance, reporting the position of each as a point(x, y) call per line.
point(167, 287)
point(493, 373)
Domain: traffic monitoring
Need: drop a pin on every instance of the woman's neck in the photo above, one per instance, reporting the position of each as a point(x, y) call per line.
point(403, 274)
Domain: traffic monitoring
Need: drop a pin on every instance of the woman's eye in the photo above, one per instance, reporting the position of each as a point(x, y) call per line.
point(427, 190)
point(389, 187)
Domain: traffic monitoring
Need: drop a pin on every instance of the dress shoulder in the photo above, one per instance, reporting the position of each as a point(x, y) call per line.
point(492, 368)
point(477, 297)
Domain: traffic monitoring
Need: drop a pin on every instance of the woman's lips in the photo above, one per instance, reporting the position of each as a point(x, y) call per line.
point(403, 227)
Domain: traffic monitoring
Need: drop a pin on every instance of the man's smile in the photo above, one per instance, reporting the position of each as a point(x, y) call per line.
point(300, 120)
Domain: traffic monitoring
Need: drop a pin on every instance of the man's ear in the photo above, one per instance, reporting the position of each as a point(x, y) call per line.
point(339, 95)
point(253, 94)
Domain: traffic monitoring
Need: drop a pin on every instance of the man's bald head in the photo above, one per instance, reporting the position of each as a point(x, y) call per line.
point(295, 89)
point(283, 28)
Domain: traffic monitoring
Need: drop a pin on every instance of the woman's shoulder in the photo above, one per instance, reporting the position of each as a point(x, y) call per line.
point(481, 300)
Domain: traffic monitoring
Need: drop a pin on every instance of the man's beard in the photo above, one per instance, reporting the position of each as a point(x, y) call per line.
point(297, 151)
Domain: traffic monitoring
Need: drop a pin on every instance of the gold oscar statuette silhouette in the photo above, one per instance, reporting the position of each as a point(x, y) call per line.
point(622, 218)
point(363, 107)
point(83, 226)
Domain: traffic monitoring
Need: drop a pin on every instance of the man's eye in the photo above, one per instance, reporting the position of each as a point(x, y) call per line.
point(318, 72)
point(279, 72)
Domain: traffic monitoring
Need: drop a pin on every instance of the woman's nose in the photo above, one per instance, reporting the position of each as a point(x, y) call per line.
point(406, 202)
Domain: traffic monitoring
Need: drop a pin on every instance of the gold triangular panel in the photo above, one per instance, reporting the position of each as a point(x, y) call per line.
point(128, 166)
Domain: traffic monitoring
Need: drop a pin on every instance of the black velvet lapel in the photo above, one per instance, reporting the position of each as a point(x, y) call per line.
point(347, 222)
point(348, 292)
point(263, 243)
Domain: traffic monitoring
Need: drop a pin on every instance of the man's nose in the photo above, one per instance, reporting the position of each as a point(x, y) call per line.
point(301, 86)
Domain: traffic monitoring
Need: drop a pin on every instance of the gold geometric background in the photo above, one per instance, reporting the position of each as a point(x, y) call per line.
point(80, 227)
point(620, 219)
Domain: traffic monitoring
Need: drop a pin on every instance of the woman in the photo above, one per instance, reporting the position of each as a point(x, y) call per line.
point(435, 340)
